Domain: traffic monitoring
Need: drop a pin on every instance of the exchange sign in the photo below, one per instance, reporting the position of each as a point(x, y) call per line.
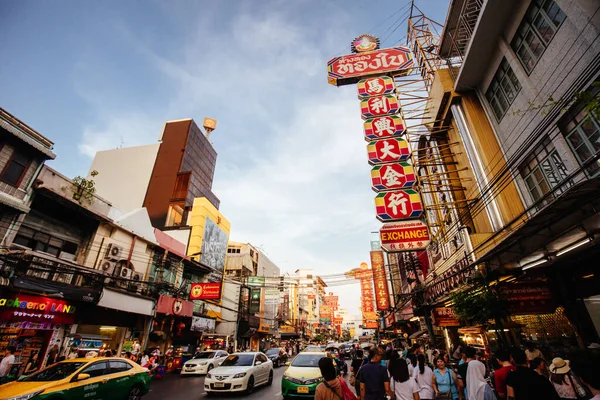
point(393, 176)
point(375, 86)
point(350, 69)
point(389, 150)
point(383, 127)
point(398, 204)
point(404, 236)
point(379, 105)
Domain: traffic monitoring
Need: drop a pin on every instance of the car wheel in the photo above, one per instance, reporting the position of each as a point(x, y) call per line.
point(270, 381)
point(135, 393)
point(250, 387)
point(276, 364)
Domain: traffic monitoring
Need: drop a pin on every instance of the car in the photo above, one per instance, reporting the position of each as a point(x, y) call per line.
point(312, 348)
point(240, 372)
point(303, 375)
point(203, 362)
point(277, 355)
point(98, 378)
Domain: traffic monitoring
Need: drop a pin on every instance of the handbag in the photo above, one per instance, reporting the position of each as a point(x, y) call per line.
point(446, 395)
point(346, 392)
point(355, 375)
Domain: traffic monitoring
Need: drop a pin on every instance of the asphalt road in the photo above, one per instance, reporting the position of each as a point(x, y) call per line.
point(175, 386)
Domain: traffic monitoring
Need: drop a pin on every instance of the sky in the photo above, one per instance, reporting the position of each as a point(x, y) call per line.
point(292, 172)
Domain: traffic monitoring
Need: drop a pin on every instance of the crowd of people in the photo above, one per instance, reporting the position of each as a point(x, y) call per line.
point(514, 374)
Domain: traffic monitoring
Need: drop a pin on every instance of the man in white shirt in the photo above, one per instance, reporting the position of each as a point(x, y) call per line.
point(7, 361)
point(585, 366)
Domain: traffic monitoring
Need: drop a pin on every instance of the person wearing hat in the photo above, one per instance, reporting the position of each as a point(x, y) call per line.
point(564, 382)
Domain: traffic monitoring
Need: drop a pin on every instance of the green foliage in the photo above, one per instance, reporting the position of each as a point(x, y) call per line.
point(477, 308)
point(591, 100)
point(318, 338)
point(84, 189)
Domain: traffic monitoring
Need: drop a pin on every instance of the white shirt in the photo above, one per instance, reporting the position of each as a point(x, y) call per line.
point(424, 382)
point(404, 390)
point(5, 364)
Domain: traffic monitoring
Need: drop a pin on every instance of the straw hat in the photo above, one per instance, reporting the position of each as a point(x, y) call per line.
point(559, 366)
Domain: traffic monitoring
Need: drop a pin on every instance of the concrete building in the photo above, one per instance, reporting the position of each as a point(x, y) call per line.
point(165, 177)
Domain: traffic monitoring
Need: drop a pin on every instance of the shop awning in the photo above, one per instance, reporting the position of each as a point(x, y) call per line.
point(125, 302)
point(418, 334)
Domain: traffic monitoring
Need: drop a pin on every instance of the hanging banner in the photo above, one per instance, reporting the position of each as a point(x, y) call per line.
point(398, 204)
point(349, 69)
point(379, 105)
point(404, 236)
point(388, 150)
point(375, 86)
point(382, 296)
point(393, 176)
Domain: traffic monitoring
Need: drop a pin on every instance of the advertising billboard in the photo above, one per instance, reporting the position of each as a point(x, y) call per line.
point(214, 249)
point(205, 291)
point(404, 236)
point(200, 324)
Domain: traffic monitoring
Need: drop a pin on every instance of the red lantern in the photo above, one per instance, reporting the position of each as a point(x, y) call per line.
point(180, 326)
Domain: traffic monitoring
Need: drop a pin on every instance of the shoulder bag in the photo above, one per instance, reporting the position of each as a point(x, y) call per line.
point(355, 375)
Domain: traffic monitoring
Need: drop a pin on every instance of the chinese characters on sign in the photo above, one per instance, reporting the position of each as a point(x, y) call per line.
point(383, 127)
point(382, 296)
point(379, 105)
point(404, 236)
point(444, 316)
point(398, 204)
point(376, 86)
point(393, 176)
point(389, 150)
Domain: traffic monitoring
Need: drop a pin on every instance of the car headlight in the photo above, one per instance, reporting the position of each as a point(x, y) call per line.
point(240, 375)
point(294, 380)
point(208, 375)
point(203, 363)
point(315, 380)
point(25, 396)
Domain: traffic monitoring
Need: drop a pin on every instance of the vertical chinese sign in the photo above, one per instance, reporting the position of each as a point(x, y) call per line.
point(382, 296)
point(369, 315)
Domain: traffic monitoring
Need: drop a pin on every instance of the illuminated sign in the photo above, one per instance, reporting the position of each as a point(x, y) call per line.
point(379, 105)
point(404, 236)
point(205, 291)
point(398, 204)
point(37, 309)
point(375, 86)
point(382, 295)
point(393, 176)
point(388, 150)
point(349, 69)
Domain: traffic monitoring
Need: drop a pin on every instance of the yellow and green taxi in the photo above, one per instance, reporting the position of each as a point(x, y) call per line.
point(302, 376)
point(82, 378)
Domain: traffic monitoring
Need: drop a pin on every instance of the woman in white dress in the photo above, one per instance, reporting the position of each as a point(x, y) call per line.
point(402, 384)
point(423, 377)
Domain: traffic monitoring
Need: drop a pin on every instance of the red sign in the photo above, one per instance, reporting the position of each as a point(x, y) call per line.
point(349, 69)
point(444, 316)
point(404, 236)
point(172, 306)
point(378, 106)
point(312, 297)
point(371, 325)
point(363, 274)
point(393, 176)
point(390, 319)
point(205, 291)
point(388, 150)
point(376, 86)
point(527, 298)
point(398, 204)
point(382, 295)
point(36, 309)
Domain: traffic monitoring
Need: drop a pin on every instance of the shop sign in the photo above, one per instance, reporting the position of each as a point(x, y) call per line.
point(256, 281)
point(388, 150)
point(325, 321)
point(36, 326)
point(254, 301)
point(205, 291)
point(371, 325)
point(393, 176)
point(390, 319)
point(36, 309)
point(398, 204)
point(375, 86)
point(444, 316)
point(264, 328)
point(379, 105)
point(375, 245)
point(404, 236)
point(452, 278)
point(330, 299)
point(527, 298)
point(363, 274)
point(272, 297)
point(345, 70)
point(173, 306)
point(312, 297)
point(382, 296)
point(338, 321)
point(287, 329)
point(385, 127)
point(200, 324)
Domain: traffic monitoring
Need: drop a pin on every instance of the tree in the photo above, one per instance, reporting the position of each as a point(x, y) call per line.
point(83, 189)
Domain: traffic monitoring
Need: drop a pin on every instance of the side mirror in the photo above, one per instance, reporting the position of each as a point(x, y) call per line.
point(258, 363)
point(82, 377)
point(287, 364)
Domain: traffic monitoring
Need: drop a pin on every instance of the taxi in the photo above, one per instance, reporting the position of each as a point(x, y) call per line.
point(82, 378)
point(302, 376)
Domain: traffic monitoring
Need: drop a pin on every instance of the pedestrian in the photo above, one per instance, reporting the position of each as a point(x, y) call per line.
point(564, 382)
point(532, 352)
point(445, 384)
point(478, 388)
point(31, 365)
point(412, 363)
point(6, 363)
point(539, 365)
point(458, 352)
point(462, 371)
point(374, 379)
point(424, 379)
point(503, 358)
point(355, 368)
point(524, 383)
point(434, 355)
point(333, 387)
point(52, 354)
point(585, 364)
point(403, 385)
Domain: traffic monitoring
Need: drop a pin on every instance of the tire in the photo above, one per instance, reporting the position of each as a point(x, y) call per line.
point(135, 393)
point(250, 387)
point(270, 381)
point(276, 364)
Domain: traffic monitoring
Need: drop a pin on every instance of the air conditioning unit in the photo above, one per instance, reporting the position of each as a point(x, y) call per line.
point(113, 252)
point(125, 272)
point(137, 276)
point(108, 267)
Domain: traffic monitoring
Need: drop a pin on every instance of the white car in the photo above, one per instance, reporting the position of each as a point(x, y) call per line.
point(240, 372)
point(204, 362)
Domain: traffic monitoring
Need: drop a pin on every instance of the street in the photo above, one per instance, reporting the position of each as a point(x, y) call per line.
point(183, 387)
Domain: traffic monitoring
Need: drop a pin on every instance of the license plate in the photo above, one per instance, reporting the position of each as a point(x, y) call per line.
point(302, 389)
point(219, 384)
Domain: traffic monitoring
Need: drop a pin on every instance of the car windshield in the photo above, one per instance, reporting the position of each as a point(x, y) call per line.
point(313, 348)
point(205, 354)
point(271, 352)
point(55, 373)
point(307, 360)
point(238, 360)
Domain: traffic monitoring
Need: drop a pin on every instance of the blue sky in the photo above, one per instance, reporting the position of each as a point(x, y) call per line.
point(292, 171)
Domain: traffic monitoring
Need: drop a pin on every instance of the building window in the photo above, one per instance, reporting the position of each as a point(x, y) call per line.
point(503, 89)
point(543, 171)
point(40, 241)
point(15, 169)
point(583, 135)
point(540, 24)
